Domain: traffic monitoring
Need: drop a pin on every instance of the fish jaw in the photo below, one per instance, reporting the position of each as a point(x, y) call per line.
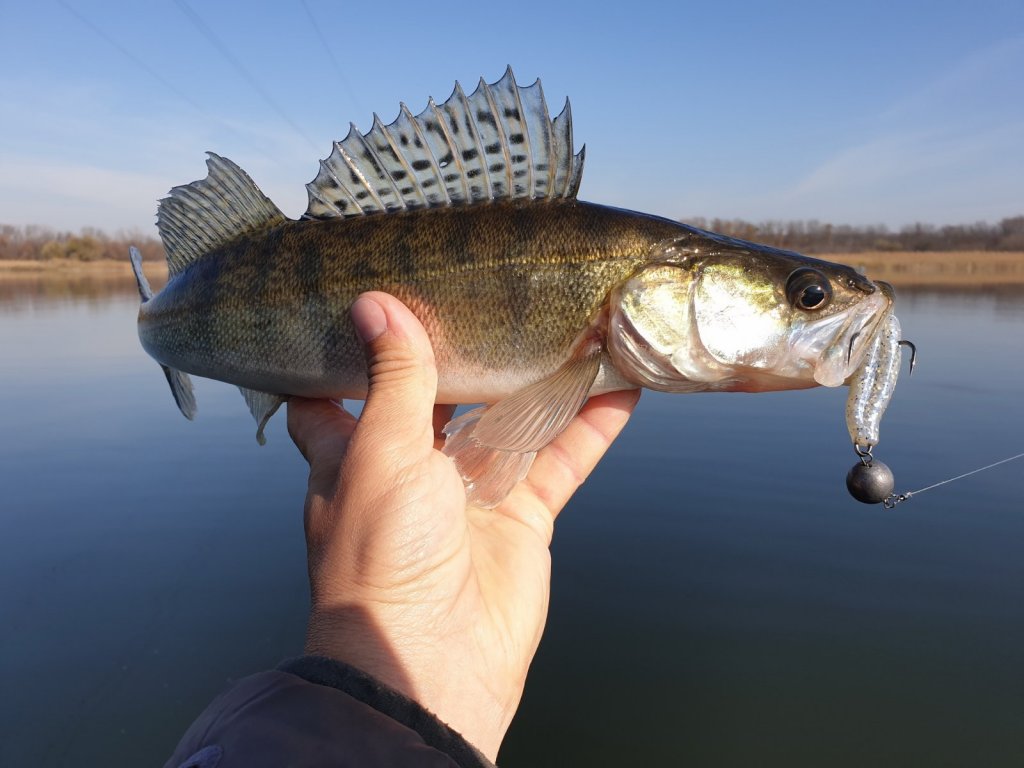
point(833, 347)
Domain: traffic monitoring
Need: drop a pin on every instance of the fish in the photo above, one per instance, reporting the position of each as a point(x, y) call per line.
point(533, 299)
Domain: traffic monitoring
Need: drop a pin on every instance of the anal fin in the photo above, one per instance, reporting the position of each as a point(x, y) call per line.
point(493, 446)
point(181, 388)
point(262, 405)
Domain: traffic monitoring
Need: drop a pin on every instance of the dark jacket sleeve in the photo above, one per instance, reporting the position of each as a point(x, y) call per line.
point(313, 712)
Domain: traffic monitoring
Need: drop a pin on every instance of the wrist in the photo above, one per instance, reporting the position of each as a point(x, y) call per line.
point(437, 677)
point(373, 693)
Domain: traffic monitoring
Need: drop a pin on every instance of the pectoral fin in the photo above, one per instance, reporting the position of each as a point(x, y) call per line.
point(262, 405)
point(488, 473)
point(494, 445)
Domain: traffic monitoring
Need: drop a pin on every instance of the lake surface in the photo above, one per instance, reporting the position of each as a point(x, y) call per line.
point(718, 598)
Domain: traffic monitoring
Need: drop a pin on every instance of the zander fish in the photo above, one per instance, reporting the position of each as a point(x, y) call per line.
point(533, 300)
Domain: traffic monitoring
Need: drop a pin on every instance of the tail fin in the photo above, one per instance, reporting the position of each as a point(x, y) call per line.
point(181, 385)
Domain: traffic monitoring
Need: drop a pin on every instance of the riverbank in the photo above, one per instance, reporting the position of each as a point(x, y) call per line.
point(904, 269)
point(103, 267)
point(963, 270)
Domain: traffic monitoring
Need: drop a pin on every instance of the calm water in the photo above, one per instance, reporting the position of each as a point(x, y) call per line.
point(718, 598)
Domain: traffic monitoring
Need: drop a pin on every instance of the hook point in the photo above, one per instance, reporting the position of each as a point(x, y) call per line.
point(913, 353)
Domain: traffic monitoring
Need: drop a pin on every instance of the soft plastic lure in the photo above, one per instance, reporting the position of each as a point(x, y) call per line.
point(871, 388)
point(873, 384)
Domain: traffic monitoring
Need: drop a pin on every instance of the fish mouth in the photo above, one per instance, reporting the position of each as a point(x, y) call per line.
point(835, 346)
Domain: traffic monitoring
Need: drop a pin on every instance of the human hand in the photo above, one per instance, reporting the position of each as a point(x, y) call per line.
point(442, 601)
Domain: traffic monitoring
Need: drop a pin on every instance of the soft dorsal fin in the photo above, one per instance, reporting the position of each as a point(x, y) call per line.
point(497, 144)
point(198, 217)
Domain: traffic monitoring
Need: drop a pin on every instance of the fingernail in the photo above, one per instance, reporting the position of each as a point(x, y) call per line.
point(368, 318)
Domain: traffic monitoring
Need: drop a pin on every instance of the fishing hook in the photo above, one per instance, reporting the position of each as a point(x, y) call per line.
point(849, 352)
point(913, 353)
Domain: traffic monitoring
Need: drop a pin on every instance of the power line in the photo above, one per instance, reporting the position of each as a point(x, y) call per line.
point(155, 74)
point(330, 54)
point(209, 34)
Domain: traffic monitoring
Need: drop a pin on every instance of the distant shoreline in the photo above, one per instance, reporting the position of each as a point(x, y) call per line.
point(904, 269)
point(938, 269)
point(111, 267)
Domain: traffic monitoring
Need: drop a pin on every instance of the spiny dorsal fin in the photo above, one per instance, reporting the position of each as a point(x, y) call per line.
point(198, 217)
point(497, 144)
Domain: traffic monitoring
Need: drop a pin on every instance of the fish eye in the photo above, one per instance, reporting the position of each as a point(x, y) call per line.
point(808, 289)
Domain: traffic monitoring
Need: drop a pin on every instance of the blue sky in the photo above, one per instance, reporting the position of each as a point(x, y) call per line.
point(859, 112)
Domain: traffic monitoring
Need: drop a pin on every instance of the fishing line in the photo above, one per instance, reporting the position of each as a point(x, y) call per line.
point(898, 498)
point(330, 54)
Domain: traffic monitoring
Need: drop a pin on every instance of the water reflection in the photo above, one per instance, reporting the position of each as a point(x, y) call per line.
point(20, 291)
point(716, 593)
point(1008, 300)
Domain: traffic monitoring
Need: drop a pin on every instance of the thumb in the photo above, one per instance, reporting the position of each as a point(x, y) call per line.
point(401, 372)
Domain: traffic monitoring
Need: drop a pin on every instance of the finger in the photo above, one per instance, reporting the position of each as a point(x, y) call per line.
point(562, 466)
point(321, 430)
point(402, 374)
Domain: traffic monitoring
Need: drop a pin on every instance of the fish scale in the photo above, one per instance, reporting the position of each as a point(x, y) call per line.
point(533, 300)
point(540, 272)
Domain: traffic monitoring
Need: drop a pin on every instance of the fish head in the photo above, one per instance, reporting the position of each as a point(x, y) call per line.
point(713, 313)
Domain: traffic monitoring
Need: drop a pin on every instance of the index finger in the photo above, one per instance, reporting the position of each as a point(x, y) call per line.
point(562, 466)
point(320, 430)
